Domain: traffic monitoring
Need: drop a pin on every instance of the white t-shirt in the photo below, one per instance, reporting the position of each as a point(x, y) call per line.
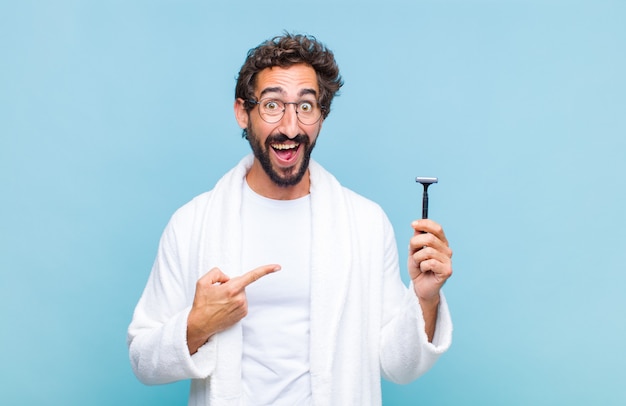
point(275, 363)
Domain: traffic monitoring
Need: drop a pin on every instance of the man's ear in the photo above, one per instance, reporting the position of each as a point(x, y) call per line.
point(241, 114)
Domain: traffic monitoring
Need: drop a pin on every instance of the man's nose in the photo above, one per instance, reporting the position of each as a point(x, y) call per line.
point(289, 124)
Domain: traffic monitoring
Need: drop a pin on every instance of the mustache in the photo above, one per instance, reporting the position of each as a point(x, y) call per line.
point(282, 138)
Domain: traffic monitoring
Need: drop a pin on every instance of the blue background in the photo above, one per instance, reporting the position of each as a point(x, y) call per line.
point(113, 114)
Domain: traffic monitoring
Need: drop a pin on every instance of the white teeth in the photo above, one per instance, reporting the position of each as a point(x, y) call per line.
point(285, 146)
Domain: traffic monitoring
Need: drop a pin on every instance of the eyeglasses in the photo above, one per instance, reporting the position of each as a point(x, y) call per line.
point(273, 110)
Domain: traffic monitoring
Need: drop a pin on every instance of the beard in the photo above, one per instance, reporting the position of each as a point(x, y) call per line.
point(283, 177)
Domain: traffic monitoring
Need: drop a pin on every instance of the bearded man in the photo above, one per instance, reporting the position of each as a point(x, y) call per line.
point(280, 286)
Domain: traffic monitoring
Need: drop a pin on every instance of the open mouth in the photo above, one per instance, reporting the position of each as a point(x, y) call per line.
point(286, 152)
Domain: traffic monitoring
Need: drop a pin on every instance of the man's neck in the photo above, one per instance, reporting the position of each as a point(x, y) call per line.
point(261, 183)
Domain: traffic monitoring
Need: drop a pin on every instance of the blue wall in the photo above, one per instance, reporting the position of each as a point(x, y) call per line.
point(113, 114)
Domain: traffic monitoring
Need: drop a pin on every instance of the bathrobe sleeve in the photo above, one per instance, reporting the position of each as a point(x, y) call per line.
point(405, 353)
point(157, 335)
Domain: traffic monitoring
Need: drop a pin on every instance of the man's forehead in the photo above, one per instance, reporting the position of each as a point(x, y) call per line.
point(297, 79)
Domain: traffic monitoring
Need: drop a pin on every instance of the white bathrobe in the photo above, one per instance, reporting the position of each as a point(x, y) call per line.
point(364, 321)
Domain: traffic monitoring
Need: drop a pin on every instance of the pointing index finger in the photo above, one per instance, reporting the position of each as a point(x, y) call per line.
point(254, 275)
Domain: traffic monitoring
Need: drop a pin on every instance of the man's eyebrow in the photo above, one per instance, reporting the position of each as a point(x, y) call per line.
point(307, 91)
point(276, 89)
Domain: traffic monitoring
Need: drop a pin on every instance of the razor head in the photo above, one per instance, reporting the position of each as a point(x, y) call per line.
point(426, 181)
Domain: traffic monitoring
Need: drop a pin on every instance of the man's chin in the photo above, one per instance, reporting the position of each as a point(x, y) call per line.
point(287, 177)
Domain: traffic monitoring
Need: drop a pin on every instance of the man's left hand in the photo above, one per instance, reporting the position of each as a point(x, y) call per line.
point(430, 260)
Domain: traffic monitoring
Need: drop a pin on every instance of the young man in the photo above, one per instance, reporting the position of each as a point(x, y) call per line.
point(280, 286)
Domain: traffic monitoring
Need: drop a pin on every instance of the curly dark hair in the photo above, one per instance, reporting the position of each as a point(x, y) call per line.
point(285, 51)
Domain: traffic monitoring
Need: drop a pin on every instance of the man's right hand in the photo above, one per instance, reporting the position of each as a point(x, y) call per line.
point(219, 302)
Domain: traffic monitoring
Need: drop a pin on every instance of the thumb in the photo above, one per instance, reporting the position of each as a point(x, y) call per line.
point(215, 275)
